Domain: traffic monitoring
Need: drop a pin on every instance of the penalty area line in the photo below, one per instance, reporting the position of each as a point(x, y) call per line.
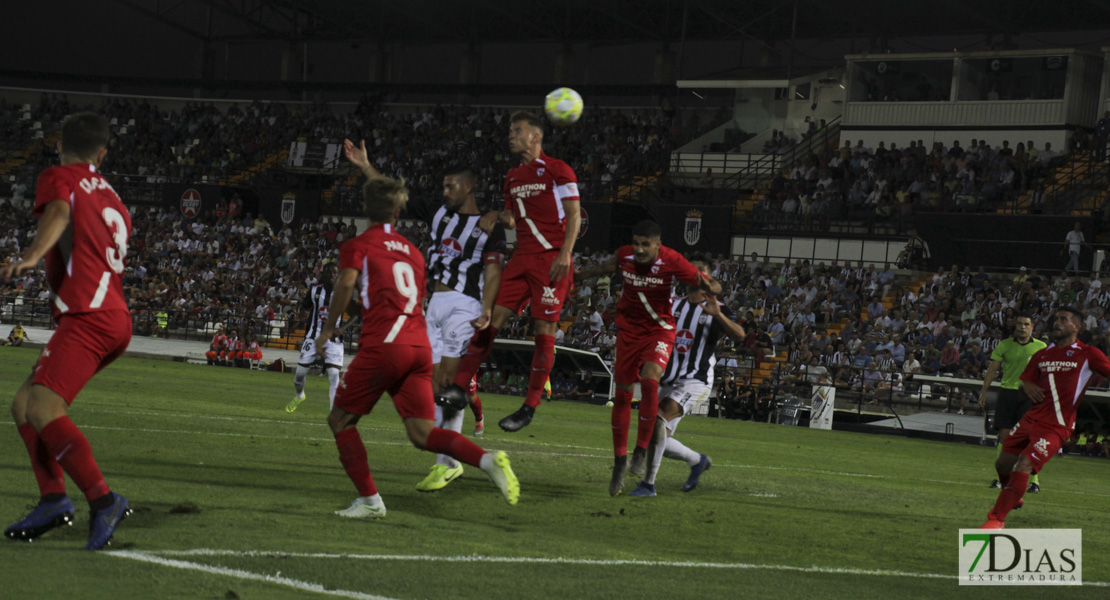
point(240, 574)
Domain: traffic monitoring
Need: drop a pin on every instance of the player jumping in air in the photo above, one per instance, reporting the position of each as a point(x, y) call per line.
point(394, 354)
point(83, 235)
point(541, 202)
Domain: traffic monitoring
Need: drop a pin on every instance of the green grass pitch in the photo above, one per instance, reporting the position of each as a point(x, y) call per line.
point(211, 461)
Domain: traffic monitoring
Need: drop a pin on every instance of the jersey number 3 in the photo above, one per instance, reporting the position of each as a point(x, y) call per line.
point(405, 280)
point(114, 254)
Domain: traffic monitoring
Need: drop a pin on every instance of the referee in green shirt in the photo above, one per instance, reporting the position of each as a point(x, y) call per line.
point(1012, 354)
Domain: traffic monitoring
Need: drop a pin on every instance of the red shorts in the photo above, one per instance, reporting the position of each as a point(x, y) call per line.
point(82, 345)
point(256, 355)
point(525, 279)
point(634, 351)
point(1038, 442)
point(403, 371)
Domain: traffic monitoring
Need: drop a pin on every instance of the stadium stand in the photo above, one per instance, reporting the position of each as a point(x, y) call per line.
point(860, 328)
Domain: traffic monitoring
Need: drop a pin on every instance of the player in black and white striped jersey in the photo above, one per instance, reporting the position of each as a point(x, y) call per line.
point(464, 269)
point(700, 323)
point(316, 304)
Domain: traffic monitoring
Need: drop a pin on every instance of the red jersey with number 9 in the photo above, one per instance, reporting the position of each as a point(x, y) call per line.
point(84, 269)
point(390, 287)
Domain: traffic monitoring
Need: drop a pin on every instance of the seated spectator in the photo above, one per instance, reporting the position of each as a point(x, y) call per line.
point(584, 387)
point(16, 337)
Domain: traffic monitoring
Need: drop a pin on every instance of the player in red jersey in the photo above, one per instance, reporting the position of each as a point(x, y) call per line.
point(541, 203)
point(394, 354)
point(645, 335)
point(218, 348)
point(83, 235)
point(1055, 380)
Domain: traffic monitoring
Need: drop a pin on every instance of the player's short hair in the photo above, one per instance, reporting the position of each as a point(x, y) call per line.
point(84, 134)
point(700, 257)
point(531, 118)
point(382, 196)
point(647, 228)
point(1023, 316)
point(1079, 316)
point(330, 265)
point(466, 171)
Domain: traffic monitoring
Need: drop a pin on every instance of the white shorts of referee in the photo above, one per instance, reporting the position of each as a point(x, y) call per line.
point(449, 331)
point(333, 353)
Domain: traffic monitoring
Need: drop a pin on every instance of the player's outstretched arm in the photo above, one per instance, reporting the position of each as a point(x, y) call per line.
point(55, 220)
point(359, 158)
point(340, 298)
point(732, 328)
point(606, 268)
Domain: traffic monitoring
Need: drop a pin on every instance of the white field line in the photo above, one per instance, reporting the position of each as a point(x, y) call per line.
point(477, 558)
point(240, 574)
point(605, 454)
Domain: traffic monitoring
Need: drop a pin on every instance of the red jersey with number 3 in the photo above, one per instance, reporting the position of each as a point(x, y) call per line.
point(645, 302)
point(390, 287)
point(535, 193)
point(1063, 373)
point(84, 268)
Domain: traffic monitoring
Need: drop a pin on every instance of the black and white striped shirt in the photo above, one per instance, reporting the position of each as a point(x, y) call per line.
point(456, 258)
point(318, 301)
point(695, 342)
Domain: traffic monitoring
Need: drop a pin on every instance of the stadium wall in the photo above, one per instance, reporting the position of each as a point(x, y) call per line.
point(1002, 241)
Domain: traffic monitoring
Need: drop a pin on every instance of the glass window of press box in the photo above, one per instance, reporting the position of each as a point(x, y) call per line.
point(901, 81)
point(1018, 78)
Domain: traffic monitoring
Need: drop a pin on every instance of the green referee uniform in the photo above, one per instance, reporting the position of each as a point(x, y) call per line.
point(1012, 403)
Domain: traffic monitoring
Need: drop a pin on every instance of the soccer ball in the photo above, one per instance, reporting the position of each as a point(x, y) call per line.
point(563, 106)
point(609, 403)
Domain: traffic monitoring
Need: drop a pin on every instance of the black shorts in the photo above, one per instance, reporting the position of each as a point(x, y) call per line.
point(1011, 406)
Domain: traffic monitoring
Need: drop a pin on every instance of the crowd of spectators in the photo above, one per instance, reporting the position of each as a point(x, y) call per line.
point(889, 184)
point(199, 142)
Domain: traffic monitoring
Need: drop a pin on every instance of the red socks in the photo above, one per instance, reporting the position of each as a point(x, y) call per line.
point(649, 409)
point(622, 415)
point(476, 407)
point(445, 441)
point(352, 455)
point(541, 369)
point(48, 473)
point(1011, 494)
point(478, 350)
point(68, 446)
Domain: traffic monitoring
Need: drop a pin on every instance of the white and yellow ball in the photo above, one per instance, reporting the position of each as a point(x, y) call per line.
point(563, 106)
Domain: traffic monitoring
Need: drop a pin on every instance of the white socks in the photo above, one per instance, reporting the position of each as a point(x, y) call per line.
point(676, 449)
point(333, 384)
point(298, 379)
point(452, 423)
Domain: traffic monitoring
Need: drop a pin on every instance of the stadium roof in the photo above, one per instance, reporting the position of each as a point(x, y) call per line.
point(608, 21)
